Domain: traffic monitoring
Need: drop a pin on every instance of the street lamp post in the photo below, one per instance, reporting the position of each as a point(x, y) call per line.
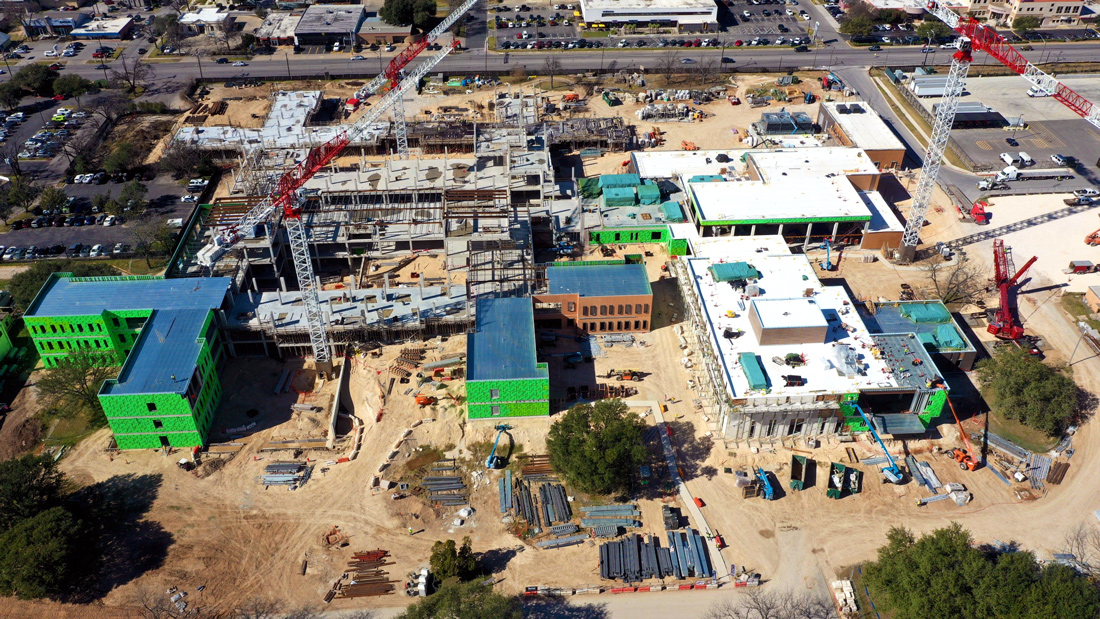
point(198, 58)
point(287, 56)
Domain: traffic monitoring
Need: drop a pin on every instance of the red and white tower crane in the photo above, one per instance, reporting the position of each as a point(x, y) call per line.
point(975, 37)
point(284, 199)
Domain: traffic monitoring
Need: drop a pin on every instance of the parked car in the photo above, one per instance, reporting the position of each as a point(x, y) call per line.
point(109, 220)
point(97, 251)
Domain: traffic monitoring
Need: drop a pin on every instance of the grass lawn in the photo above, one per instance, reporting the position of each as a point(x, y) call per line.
point(137, 265)
point(910, 118)
point(596, 34)
point(1020, 434)
point(1075, 306)
point(491, 42)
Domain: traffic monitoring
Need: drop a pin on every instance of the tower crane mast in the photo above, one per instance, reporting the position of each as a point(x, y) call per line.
point(974, 36)
point(285, 199)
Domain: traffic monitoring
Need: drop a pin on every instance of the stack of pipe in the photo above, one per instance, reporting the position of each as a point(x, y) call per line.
point(364, 576)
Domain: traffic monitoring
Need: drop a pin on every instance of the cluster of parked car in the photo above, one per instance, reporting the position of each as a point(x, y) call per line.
point(76, 250)
point(532, 21)
point(17, 53)
point(70, 50)
point(50, 138)
point(68, 221)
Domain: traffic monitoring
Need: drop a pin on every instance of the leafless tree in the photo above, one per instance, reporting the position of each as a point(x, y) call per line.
point(131, 71)
point(83, 143)
point(159, 605)
point(180, 158)
point(150, 235)
point(9, 151)
point(108, 106)
point(958, 282)
point(179, 6)
point(706, 70)
point(761, 604)
point(1083, 542)
point(225, 35)
point(667, 64)
point(551, 65)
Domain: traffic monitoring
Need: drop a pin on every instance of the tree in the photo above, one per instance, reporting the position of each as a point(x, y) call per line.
point(1026, 23)
point(424, 13)
point(131, 71)
point(184, 159)
point(72, 85)
point(959, 282)
point(10, 95)
point(167, 26)
point(42, 555)
point(765, 604)
point(858, 26)
point(469, 600)
point(248, 40)
point(28, 486)
point(944, 575)
point(21, 192)
point(26, 284)
point(36, 79)
point(706, 70)
point(667, 64)
point(107, 204)
point(551, 66)
point(1021, 387)
point(133, 195)
point(596, 448)
point(149, 235)
point(931, 30)
point(447, 561)
point(52, 198)
point(75, 381)
point(397, 12)
point(122, 158)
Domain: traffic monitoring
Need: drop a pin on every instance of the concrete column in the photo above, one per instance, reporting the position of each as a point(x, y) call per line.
point(808, 228)
point(836, 228)
point(780, 229)
point(753, 232)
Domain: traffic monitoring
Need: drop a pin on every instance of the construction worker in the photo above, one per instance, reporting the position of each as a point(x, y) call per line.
point(410, 530)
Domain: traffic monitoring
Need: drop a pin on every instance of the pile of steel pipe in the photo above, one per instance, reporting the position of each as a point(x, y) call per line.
point(633, 559)
point(445, 490)
point(364, 576)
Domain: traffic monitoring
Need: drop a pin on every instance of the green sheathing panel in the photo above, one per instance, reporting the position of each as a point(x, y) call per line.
point(852, 418)
point(56, 336)
point(182, 424)
point(516, 398)
point(5, 337)
point(677, 247)
point(934, 407)
point(656, 234)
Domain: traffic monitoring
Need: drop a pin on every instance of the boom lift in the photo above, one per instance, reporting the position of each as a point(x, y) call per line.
point(494, 461)
point(969, 460)
point(284, 197)
point(1006, 326)
point(975, 36)
point(892, 473)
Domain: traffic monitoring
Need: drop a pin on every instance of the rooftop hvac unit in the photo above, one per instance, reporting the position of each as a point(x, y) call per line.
point(856, 108)
point(842, 108)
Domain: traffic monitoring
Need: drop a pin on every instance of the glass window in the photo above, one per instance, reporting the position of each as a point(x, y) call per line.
point(151, 406)
point(584, 310)
point(637, 308)
point(645, 308)
point(158, 424)
point(603, 310)
point(494, 394)
point(572, 306)
point(620, 310)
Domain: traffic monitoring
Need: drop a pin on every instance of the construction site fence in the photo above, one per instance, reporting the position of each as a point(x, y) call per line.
point(700, 585)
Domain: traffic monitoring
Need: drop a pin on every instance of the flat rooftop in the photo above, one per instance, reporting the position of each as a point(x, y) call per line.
point(164, 356)
point(930, 320)
point(208, 15)
point(279, 24)
point(99, 28)
point(502, 346)
point(883, 218)
point(330, 19)
point(660, 164)
point(373, 24)
point(789, 313)
point(64, 295)
point(865, 128)
point(779, 165)
point(908, 362)
point(606, 280)
point(804, 198)
point(841, 364)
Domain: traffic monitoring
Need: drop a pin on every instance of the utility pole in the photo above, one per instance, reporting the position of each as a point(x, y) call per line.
point(198, 58)
point(287, 56)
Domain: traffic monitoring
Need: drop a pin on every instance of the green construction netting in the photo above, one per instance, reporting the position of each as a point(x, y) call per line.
point(706, 178)
point(750, 363)
point(618, 196)
point(948, 338)
point(649, 194)
point(672, 212)
point(925, 312)
point(589, 187)
point(619, 180)
point(729, 271)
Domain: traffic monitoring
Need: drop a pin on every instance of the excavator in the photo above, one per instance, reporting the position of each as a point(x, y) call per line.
point(969, 459)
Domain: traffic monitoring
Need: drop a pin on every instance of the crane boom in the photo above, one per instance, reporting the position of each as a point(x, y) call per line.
point(975, 36)
point(892, 473)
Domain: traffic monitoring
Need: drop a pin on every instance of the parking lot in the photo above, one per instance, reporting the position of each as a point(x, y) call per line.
point(1052, 127)
point(760, 17)
point(544, 25)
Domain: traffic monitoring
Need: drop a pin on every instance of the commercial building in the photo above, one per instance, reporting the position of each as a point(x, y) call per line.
point(163, 334)
point(685, 15)
point(782, 354)
point(374, 31)
point(931, 321)
point(595, 298)
point(326, 24)
point(278, 28)
point(53, 22)
point(119, 28)
point(855, 124)
point(1049, 12)
point(503, 376)
point(210, 19)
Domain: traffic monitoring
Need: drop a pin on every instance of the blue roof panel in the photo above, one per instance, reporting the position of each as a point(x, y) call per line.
point(164, 356)
point(502, 346)
point(601, 280)
point(86, 296)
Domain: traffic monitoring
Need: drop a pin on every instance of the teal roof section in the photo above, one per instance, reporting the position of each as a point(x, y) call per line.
point(619, 180)
point(649, 194)
point(707, 178)
point(65, 295)
point(601, 280)
point(502, 346)
point(672, 212)
point(730, 271)
point(164, 356)
point(618, 196)
point(754, 371)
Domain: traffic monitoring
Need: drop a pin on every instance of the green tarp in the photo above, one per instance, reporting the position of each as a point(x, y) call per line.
point(706, 178)
point(750, 363)
point(925, 312)
point(618, 196)
point(729, 271)
point(649, 194)
point(672, 212)
point(619, 180)
point(927, 339)
point(589, 187)
point(948, 338)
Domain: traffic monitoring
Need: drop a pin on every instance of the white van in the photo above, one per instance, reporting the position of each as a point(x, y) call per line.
point(1026, 159)
point(1010, 158)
